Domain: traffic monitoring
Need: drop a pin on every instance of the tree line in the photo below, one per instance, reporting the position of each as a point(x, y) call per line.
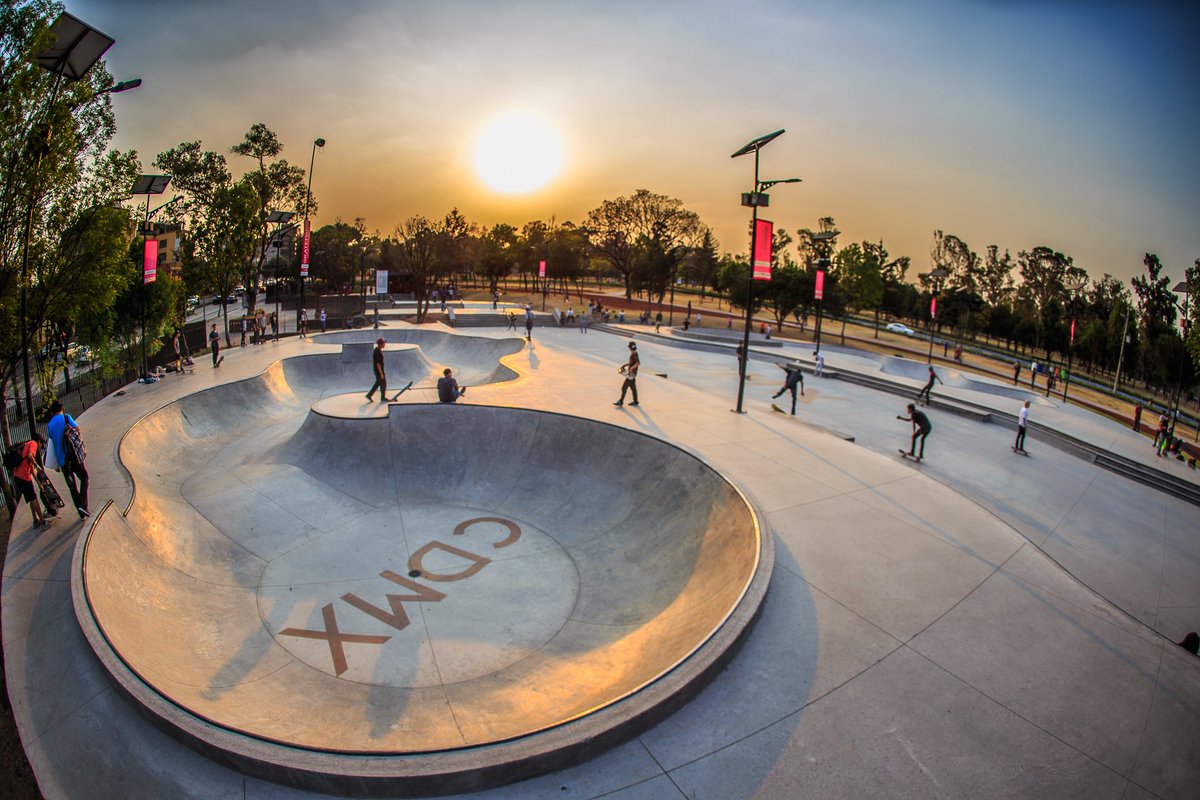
point(83, 283)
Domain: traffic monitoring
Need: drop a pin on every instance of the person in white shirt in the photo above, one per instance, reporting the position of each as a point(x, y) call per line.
point(1022, 422)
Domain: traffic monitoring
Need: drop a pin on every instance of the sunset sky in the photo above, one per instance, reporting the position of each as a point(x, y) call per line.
point(1009, 122)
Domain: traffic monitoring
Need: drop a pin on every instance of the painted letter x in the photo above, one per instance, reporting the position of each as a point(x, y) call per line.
point(335, 638)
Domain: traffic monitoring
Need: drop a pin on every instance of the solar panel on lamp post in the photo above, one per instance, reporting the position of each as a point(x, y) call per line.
point(753, 199)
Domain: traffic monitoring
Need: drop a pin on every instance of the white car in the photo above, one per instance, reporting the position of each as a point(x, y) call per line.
point(896, 327)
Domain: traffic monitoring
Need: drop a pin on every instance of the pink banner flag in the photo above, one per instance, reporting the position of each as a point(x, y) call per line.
point(304, 251)
point(933, 307)
point(150, 261)
point(763, 233)
point(1072, 331)
point(819, 287)
point(542, 268)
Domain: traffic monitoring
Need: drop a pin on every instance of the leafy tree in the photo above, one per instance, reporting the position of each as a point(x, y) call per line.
point(789, 291)
point(278, 185)
point(338, 245)
point(1045, 274)
point(1191, 328)
point(1156, 318)
point(860, 273)
point(56, 168)
point(995, 281)
point(615, 227)
point(731, 279)
point(414, 249)
point(498, 248)
point(700, 263)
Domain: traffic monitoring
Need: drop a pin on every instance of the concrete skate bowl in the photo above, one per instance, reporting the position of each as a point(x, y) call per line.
point(438, 600)
point(917, 371)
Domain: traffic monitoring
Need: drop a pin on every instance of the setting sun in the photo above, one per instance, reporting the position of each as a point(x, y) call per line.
point(517, 153)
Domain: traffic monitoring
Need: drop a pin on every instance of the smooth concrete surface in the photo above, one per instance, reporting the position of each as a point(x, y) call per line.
point(266, 550)
point(979, 625)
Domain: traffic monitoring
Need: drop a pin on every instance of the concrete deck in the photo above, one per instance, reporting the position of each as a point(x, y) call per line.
point(979, 625)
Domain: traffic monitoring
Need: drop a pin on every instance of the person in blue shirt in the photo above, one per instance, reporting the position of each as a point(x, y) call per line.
point(447, 387)
point(71, 465)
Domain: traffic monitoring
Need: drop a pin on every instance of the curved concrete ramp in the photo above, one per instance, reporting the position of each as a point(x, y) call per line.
point(376, 603)
point(918, 371)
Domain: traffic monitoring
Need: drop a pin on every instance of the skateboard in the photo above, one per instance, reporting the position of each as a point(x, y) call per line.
point(904, 454)
point(780, 410)
point(1022, 452)
point(402, 391)
point(219, 360)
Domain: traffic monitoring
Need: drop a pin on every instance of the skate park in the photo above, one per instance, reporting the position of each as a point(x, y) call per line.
point(979, 624)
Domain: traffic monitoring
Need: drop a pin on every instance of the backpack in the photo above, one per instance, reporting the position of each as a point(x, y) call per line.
point(13, 456)
point(73, 448)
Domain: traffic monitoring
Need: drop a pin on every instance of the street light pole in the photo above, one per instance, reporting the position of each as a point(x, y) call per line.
point(318, 142)
point(1182, 286)
point(148, 185)
point(754, 199)
point(280, 218)
point(75, 50)
point(1074, 288)
point(936, 274)
point(1121, 355)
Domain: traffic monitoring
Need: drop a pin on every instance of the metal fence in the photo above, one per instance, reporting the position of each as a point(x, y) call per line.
point(85, 392)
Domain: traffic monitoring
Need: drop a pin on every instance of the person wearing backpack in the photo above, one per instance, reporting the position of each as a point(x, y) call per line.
point(24, 473)
point(71, 454)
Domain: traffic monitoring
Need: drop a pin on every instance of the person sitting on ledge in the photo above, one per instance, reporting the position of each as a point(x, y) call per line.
point(447, 388)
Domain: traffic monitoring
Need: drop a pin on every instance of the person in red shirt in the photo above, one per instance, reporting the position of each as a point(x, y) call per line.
point(24, 476)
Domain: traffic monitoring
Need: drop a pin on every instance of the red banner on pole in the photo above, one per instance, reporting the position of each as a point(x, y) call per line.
point(763, 234)
point(150, 261)
point(819, 287)
point(542, 268)
point(933, 307)
point(304, 251)
point(1072, 331)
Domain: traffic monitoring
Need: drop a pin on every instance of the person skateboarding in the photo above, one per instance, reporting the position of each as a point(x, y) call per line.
point(630, 370)
point(1022, 423)
point(795, 377)
point(380, 374)
point(928, 390)
point(921, 428)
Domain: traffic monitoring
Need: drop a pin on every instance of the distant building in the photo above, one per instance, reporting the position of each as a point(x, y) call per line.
point(170, 238)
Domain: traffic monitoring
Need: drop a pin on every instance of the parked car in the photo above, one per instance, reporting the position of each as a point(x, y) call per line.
point(897, 327)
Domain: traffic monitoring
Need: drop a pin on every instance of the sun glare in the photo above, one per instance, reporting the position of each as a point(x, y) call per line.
point(517, 153)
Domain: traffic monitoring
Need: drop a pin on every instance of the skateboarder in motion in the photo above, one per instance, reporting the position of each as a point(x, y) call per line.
point(380, 375)
point(630, 370)
point(921, 428)
point(794, 378)
point(928, 390)
point(1022, 422)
